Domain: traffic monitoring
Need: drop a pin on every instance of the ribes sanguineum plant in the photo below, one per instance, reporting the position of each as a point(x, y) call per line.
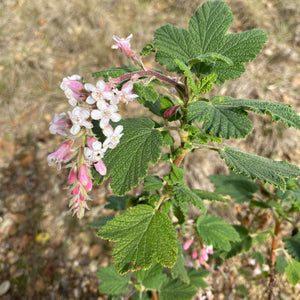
point(169, 252)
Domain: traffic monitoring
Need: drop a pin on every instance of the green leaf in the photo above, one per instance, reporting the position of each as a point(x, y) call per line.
point(176, 290)
point(206, 41)
point(152, 183)
point(153, 278)
point(128, 162)
point(238, 187)
point(210, 196)
point(292, 245)
point(148, 49)
point(211, 58)
point(196, 277)
point(180, 212)
point(187, 72)
point(143, 235)
point(281, 264)
point(111, 281)
point(293, 272)
point(179, 270)
point(116, 203)
point(219, 120)
point(278, 207)
point(258, 256)
point(175, 176)
point(206, 83)
point(243, 245)
point(182, 194)
point(216, 231)
point(258, 167)
point(146, 93)
point(101, 221)
point(278, 111)
point(116, 72)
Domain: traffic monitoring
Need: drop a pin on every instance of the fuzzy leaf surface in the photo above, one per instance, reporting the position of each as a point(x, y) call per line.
point(179, 270)
point(116, 72)
point(293, 272)
point(218, 120)
point(292, 244)
point(258, 167)
point(146, 93)
point(278, 111)
point(176, 290)
point(111, 281)
point(152, 183)
point(196, 277)
point(216, 231)
point(128, 162)
point(210, 196)
point(143, 235)
point(207, 41)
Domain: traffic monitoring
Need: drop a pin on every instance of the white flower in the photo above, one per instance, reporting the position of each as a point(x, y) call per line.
point(79, 118)
point(95, 152)
point(114, 138)
point(100, 92)
point(126, 93)
point(105, 113)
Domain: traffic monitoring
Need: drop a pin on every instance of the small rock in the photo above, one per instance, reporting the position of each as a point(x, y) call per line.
point(95, 251)
point(40, 285)
point(12, 257)
point(4, 287)
point(93, 266)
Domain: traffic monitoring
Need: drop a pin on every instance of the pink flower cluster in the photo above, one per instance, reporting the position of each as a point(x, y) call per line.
point(82, 150)
point(202, 255)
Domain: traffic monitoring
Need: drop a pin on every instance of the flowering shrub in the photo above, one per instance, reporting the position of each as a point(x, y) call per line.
point(153, 225)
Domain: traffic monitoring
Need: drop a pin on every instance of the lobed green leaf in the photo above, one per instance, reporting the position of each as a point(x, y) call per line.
point(258, 167)
point(293, 272)
point(143, 235)
point(116, 72)
point(292, 245)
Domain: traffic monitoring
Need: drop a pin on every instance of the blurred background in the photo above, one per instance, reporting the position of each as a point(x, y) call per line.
point(45, 253)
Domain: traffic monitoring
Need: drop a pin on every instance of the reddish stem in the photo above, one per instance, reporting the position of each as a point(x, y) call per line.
point(157, 75)
point(154, 295)
point(272, 281)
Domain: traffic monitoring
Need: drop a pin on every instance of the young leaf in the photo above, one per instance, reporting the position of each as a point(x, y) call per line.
point(143, 235)
point(257, 167)
point(180, 212)
point(148, 49)
point(175, 176)
point(206, 40)
point(128, 162)
point(293, 272)
point(206, 83)
point(281, 264)
point(238, 187)
point(111, 281)
point(115, 72)
point(146, 93)
point(216, 231)
point(218, 120)
point(278, 111)
point(182, 194)
point(153, 278)
point(187, 72)
point(176, 290)
point(292, 244)
point(152, 183)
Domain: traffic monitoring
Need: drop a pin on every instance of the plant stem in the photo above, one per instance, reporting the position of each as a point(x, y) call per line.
point(154, 295)
point(162, 77)
point(272, 281)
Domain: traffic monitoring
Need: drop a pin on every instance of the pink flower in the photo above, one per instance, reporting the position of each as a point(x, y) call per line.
point(59, 124)
point(60, 155)
point(78, 204)
point(126, 93)
point(195, 254)
point(105, 113)
point(113, 137)
point(204, 254)
point(101, 92)
point(74, 89)
point(73, 175)
point(94, 152)
point(100, 167)
point(124, 45)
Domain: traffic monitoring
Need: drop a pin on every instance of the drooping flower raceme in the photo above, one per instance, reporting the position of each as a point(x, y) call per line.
point(60, 155)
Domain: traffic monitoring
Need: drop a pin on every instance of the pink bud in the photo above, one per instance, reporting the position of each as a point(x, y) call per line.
point(90, 142)
point(76, 190)
point(201, 259)
point(204, 254)
point(89, 185)
point(83, 175)
point(59, 124)
point(187, 244)
point(72, 175)
point(100, 167)
point(60, 154)
point(171, 111)
point(195, 254)
point(209, 249)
